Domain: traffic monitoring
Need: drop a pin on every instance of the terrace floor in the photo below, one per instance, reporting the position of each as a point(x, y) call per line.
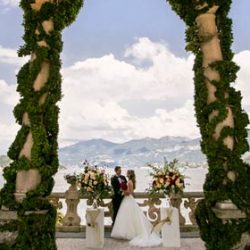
point(79, 244)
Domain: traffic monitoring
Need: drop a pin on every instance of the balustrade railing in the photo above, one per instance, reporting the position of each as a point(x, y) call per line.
point(70, 205)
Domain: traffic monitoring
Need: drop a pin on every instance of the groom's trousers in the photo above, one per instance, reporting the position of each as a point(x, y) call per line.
point(116, 201)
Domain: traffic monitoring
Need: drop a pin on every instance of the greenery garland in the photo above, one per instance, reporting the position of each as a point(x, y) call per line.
point(218, 187)
point(37, 231)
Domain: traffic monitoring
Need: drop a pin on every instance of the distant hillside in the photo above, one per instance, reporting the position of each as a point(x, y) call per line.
point(132, 153)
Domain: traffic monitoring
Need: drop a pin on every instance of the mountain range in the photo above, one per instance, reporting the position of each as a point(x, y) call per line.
point(134, 153)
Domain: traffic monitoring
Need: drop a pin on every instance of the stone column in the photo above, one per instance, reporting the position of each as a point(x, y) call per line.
point(211, 53)
point(35, 149)
point(28, 180)
point(211, 50)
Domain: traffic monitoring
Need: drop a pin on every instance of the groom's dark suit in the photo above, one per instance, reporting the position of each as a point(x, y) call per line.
point(118, 196)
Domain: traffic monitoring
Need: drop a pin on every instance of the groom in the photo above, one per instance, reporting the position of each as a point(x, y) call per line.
point(116, 181)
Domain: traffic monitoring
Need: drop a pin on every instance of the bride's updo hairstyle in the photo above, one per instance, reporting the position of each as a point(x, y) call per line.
point(131, 176)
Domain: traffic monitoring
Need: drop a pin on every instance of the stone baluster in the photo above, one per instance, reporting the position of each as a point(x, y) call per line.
point(192, 204)
point(71, 221)
point(153, 212)
point(152, 204)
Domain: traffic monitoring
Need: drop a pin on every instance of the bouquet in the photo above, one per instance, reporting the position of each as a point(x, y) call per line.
point(123, 186)
point(94, 182)
point(167, 179)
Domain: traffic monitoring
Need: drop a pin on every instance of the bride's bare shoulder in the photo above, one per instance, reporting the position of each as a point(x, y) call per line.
point(131, 185)
point(130, 182)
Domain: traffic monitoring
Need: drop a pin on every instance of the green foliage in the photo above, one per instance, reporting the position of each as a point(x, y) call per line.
point(38, 231)
point(218, 186)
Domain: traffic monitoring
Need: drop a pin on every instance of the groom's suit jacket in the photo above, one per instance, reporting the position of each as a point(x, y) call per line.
point(116, 184)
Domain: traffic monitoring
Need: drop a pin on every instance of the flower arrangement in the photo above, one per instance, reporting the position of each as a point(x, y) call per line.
point(167, 179)
point(94, 182)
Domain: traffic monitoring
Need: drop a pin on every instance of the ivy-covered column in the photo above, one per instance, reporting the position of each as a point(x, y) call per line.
point(221, 120)
point(211, 53)
point(29, 178)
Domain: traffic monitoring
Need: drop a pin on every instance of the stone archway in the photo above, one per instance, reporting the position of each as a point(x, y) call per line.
point(218, 110)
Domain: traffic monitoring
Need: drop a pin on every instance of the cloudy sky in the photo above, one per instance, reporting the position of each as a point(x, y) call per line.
point(126, 74)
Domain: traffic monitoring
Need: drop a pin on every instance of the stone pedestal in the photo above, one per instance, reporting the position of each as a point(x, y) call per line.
point(7, 237)
point(71, 221)
point(95, 228)
point(227, 211)
point(175, 201)
point(171, 227)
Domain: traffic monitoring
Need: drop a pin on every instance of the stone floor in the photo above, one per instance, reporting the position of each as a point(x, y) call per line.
point(79, 244)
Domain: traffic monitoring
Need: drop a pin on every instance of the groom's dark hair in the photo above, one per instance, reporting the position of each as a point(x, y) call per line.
point(117, 168)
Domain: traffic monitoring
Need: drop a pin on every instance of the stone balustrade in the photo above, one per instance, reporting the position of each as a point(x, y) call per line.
point(69, 221)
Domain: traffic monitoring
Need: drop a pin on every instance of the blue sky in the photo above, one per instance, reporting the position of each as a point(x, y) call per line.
point(105, 26)
point(126, 72)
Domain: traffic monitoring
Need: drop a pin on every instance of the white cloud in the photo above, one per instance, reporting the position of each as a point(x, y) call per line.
point(94, 90)
point(11, 3)
point(8, 132)
point(9, 56)
point(243, 80)
point(108, 77)
point(8, 128)
point(8, 94)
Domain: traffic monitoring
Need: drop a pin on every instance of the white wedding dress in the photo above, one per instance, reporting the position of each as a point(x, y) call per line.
point(132, 224)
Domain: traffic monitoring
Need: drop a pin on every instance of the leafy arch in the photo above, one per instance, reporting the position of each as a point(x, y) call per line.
point(35, 146)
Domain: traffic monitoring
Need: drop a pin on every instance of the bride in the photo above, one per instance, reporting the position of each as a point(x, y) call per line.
point(131, 223)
